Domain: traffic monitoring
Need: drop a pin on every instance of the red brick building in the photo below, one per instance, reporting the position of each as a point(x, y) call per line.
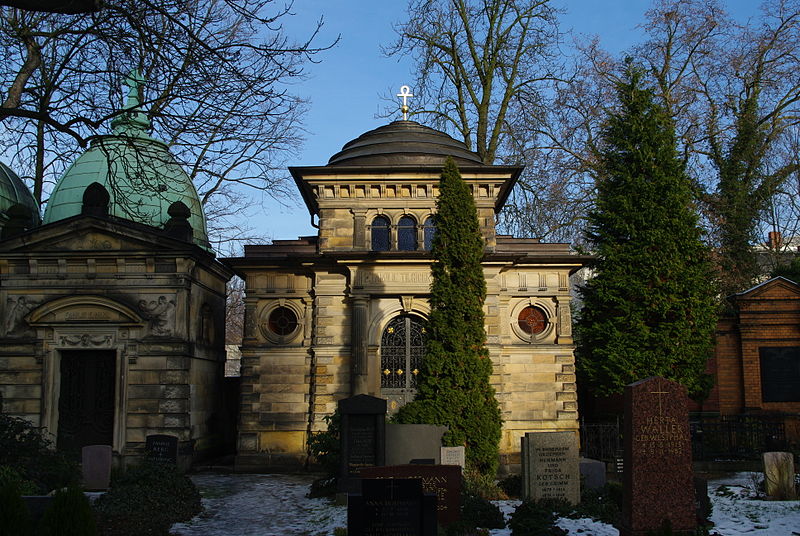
point(757, 358)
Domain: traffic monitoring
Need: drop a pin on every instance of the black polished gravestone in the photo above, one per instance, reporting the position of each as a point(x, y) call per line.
point(363, 438)
point(162, 448)
point(391, 507)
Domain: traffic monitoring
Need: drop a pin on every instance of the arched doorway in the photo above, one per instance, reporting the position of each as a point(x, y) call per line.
point(402, 350)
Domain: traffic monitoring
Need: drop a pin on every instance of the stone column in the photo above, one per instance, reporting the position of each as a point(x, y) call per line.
point(359, 229)
point(359, 364)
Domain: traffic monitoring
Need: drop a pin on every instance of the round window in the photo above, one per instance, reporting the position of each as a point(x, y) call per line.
point(532, 320)
point(282, 321)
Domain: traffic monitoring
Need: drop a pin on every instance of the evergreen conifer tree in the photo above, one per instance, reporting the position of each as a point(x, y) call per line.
point(649, 308)
point(454, 388)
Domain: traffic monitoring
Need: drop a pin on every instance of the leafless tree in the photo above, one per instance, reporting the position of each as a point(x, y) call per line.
point(218, 87)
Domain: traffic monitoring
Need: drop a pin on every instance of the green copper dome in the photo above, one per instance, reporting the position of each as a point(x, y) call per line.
point(14, 192)
point(138, 172)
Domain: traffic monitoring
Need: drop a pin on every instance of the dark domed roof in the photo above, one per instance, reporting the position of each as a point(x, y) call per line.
point(403, 143)
point(14, 192)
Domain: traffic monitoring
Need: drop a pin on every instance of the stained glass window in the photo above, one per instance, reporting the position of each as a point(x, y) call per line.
point(532, 320)
point(407, 234)
point(429, 230)
point(380, 234)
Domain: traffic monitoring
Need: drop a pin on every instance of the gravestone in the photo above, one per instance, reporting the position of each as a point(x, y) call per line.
point(550, 466)
point(444, 481)
point(658, 479)
point(406, 442)
point(162, 448)
point(779, 475)
point(454, 456)
point(96, 467)
point(363, 438)
point(593, 473)
point(391, 507)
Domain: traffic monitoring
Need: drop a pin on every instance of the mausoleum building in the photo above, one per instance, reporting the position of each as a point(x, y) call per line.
point(343, 312)
point(113, 320)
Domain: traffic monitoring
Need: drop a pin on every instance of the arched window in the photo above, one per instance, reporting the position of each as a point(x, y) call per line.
point(95, 200)
point(402, 349)
point(429, 230)
point(407, 234)
point(380, 234)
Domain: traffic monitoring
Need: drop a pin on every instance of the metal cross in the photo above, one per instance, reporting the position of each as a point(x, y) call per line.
point(405, 92)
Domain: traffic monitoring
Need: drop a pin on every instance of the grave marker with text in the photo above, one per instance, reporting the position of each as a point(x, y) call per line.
point(658, 478)
point(550, 466)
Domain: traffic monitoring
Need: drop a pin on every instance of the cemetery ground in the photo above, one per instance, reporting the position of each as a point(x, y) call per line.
point(276, 505)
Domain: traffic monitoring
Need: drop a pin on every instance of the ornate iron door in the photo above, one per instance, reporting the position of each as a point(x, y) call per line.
point(86, 402)
point(402, 350)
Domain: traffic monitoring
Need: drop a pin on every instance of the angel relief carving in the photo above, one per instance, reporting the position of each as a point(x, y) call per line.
point(16, 310)
point(160, 315)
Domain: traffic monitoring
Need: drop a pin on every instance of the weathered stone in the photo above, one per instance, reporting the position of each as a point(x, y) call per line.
point(550, 466)
point(453, 456)
point(593, 473)
point(96, 467)
point(779, 475)
point(406, 442)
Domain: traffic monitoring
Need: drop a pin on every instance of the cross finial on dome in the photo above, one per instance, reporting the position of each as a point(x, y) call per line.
point(134, 82)
point(132, 121)
point(405, 92)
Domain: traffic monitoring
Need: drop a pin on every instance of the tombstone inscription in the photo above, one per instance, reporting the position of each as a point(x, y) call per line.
point(658, 474)
point(363, 437)
point(391, 507)
point(162, 448)
point(454, 456)
point(444, 481)
point(550, 466)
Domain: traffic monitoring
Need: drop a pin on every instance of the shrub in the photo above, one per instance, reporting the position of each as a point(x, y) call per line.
point(535, 519)
point(601, 504)
point(512, 485)
point(325, 446)
point(479, 512)
point(482, 485)
point(69, 515)
point(14, 516)
point(24, 448)
point(147, 499)
point(10, 476)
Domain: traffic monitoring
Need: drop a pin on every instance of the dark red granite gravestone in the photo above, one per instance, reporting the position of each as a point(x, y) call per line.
point(442, 480)
point(658, 459)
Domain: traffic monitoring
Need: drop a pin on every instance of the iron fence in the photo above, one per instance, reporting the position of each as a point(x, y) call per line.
point(739, 437)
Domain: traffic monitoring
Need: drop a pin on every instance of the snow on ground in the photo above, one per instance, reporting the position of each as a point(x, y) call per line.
point(275, 505)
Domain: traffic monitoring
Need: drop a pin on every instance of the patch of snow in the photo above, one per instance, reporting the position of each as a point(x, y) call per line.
point(276, 505)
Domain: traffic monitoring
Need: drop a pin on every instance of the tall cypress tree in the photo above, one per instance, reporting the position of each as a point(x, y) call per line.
point(650, 307)
point(454, 388)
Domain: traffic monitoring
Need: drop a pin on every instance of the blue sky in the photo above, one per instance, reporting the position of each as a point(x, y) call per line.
point(345, 88)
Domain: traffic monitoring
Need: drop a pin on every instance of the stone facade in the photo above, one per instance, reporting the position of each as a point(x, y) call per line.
point(343, 301)
point(141, 311)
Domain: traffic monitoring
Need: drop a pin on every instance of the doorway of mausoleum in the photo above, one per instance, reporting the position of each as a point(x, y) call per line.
point(402, 351)
point(86, 398)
